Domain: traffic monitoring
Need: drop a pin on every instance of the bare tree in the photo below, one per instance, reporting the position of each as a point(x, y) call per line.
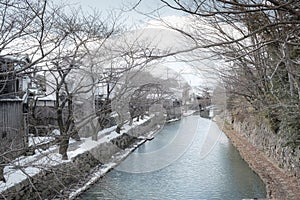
point(59, 43)
point(259, 40)
point(25, 41)
point(67, 48)
point(69, 65)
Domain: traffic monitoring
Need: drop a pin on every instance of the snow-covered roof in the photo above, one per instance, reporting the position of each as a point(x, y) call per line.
point(50, 97)
point(16, 58)
point(11, 99)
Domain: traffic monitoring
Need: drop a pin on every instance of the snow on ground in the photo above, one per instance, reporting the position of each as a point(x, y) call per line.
point(26, 166)
point(118, 157)
point(173, 120)
point(95, 176)
point(34, 141)
point(189, 112)
point(106, 167)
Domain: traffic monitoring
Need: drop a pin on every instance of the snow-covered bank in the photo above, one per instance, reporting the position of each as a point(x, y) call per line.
point(31, 173)
point(188, 113)
point(115, 161)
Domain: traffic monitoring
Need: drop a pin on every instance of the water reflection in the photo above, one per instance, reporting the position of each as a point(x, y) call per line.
point(221, 174)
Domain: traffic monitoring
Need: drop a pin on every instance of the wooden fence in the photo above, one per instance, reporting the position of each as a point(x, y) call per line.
point(12, 134)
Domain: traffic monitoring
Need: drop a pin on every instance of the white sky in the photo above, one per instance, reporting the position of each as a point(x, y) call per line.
point(134, 18)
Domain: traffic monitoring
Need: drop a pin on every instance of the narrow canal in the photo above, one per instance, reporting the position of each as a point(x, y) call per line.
point(189, 159)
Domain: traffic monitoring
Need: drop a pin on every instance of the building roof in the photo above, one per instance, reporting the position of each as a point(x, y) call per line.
point(50, 97)
point(23, 58)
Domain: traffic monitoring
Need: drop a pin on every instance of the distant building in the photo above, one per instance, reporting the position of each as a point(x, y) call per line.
point(13, 100)
point(12, 84)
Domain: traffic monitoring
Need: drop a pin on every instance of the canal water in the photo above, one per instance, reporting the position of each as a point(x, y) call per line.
point(187, 160)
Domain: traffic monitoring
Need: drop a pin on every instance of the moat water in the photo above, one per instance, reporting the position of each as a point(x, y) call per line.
point(187, 160)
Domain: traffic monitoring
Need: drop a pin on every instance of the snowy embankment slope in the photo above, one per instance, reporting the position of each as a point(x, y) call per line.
point(28, 166)
point(116, 160)
point(104, 169)
point(188, 113)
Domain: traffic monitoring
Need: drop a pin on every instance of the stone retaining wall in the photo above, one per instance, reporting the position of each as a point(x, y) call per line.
point(278, 184)
point(53, 181)
point(273, 145)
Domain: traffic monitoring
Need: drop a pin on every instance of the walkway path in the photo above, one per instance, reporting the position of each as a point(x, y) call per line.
point(279, 185)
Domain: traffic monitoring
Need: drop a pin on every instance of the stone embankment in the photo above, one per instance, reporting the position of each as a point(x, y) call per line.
point(279, 184)
point(60, 181)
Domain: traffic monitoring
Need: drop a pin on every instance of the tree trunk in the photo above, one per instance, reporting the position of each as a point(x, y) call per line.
point(2, 174)
point(63, 147)
point(95, 137)
point(74, 132)
point(95, 131)
point(131, 121)
point(119, 127)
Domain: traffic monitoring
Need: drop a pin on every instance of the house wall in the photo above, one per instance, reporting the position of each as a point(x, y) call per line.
point(10, 83)
point(11, 126)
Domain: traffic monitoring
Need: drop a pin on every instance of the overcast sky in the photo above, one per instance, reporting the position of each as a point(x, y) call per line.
point(134, 18)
